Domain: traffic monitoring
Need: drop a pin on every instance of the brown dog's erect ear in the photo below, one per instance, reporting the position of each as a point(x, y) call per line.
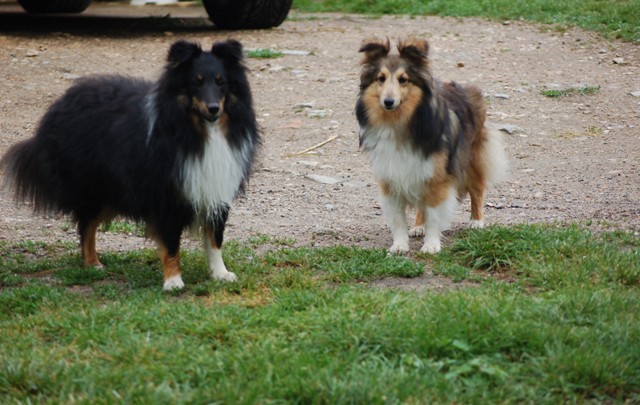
point(414, 50)
point(230, 50)
point(182, 51)
point(374, 49)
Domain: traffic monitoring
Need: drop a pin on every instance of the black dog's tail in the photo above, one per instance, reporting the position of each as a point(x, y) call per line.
point(27, 174)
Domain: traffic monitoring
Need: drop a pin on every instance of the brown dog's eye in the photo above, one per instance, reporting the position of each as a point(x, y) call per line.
point(381, 79)
point(403, 80)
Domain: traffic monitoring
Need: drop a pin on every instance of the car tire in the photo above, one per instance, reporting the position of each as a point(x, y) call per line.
point(247, 14)
point(54, 6)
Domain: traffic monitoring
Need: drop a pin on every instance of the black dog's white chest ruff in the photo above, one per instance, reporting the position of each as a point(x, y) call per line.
point(212, 180)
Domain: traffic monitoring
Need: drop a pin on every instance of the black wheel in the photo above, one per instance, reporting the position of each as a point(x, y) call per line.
point(238, 14)
point(54, 6)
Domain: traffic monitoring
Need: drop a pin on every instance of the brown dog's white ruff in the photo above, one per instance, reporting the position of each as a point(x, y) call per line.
point(427, 142)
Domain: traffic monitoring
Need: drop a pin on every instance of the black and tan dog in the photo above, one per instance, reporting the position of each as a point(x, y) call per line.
point(171, 153)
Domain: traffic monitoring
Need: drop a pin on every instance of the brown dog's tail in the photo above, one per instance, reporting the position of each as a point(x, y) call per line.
point(492, 160)
point(493, 157)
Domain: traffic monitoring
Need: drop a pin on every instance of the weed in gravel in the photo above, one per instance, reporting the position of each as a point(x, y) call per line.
point(263, 54)
point(569, 91)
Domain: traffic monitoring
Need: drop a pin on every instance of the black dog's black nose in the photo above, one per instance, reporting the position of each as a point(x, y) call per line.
point(389, 102)
point(213, 108)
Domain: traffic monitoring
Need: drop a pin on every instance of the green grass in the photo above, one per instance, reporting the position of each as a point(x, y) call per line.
point(263, 54)
point(613, 19)
point(544, 258)
point(584, 90)
point(551, 318)
point(126, 227)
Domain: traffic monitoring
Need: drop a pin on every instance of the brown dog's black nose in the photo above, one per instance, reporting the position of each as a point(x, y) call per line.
point(214, 108)
point(389, 102)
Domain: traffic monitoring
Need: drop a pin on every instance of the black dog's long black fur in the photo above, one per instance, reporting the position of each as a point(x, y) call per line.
point(115, 145)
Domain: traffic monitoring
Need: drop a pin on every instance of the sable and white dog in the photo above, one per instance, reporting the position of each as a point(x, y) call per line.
point(427, 141)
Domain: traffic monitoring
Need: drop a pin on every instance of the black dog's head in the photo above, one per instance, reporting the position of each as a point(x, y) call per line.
point(204, 81)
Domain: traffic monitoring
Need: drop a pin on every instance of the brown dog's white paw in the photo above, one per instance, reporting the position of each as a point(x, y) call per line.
point(417, 231)
point(173, 283)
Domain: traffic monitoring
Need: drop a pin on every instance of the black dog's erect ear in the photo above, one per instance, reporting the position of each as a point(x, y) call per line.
point(230, 50)
point(414, 50)
point(183, 51)
point(374, 49)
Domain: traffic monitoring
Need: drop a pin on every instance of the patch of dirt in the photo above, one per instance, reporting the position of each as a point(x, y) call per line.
point(425, 282)
point(574, 158)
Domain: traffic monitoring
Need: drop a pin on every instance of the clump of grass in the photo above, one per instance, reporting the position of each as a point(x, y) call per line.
point(347, 264)
point(546, 256)
point(553, 93)
point(126, 227)
point(263, 54)
point(262, 240)
point(569, 91)
point(588, 90)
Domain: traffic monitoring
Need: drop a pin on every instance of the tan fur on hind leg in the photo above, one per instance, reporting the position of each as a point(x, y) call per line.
point(88, 245)
point(476, 190)
point(170, 270)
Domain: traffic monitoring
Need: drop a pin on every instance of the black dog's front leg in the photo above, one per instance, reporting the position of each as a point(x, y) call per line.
point(214, 236)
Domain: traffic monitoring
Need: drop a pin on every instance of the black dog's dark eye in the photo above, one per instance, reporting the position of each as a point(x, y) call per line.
point(381, 79)
point(219, 80)
point(199, 79)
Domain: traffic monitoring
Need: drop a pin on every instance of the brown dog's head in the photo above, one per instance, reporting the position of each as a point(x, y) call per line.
point(392, 84)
